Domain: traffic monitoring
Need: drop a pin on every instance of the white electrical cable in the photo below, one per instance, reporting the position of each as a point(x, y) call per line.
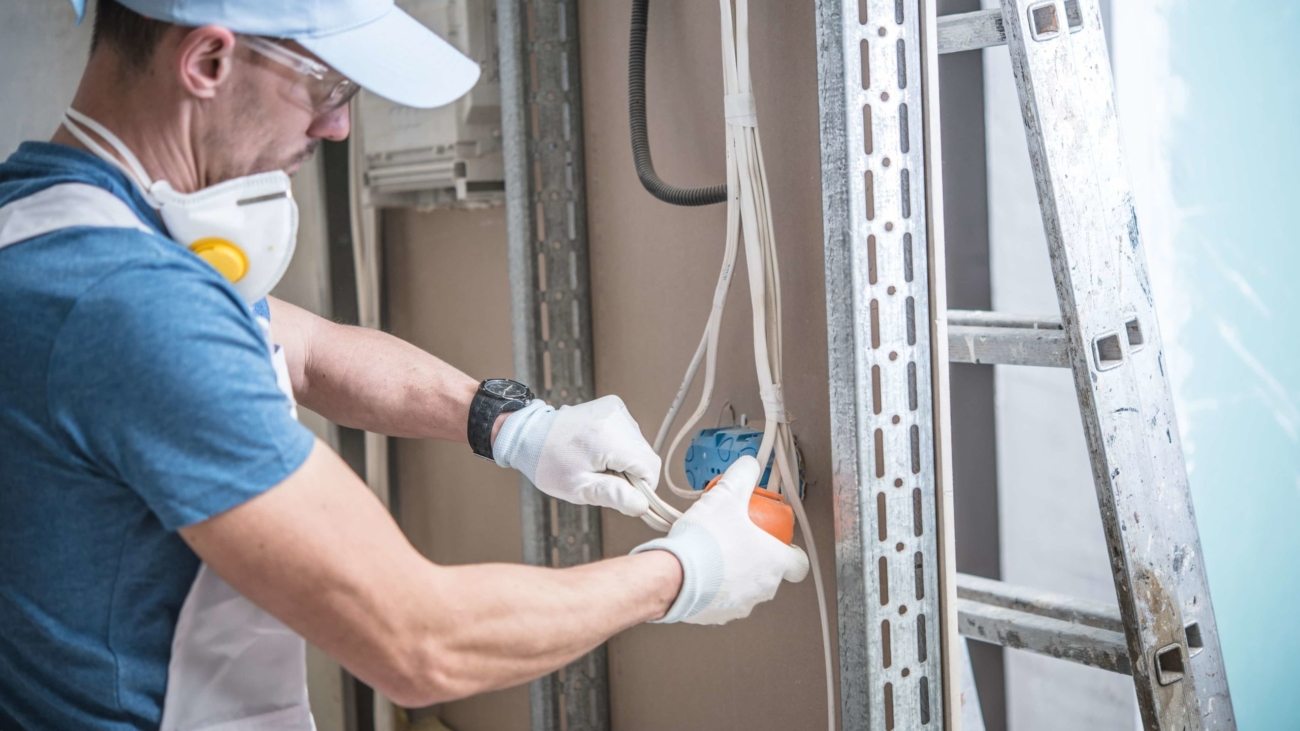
point(749, 212)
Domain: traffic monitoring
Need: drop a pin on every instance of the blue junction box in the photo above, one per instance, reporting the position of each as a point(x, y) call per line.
point(712, 451)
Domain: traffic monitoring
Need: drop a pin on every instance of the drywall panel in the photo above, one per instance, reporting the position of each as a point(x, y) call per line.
point(447, 292)
point(653, 270)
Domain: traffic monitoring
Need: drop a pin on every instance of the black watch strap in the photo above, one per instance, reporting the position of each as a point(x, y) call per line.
point(495, 396)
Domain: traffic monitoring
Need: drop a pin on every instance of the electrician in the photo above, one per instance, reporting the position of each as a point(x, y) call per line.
point(169, 533)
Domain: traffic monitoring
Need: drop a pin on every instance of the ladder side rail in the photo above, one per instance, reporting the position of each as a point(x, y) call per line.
point(1066, 108)
point(1181, 548)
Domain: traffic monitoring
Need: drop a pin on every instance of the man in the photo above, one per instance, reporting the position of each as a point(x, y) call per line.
point(168, 532)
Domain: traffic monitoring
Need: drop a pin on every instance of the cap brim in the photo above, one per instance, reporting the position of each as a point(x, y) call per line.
point(399, 59)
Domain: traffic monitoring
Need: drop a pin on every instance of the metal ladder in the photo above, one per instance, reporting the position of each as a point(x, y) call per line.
point(884, 259)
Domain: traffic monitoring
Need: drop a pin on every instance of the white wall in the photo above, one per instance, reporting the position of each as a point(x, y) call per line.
point(1208, 117)
point(38, 37)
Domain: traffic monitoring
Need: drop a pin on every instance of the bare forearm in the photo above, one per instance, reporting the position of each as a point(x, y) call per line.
point(370, 380)
point(324, 556)
point(515, 623)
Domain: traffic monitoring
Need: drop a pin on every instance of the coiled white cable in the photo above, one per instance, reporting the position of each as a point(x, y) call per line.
point(748, 213)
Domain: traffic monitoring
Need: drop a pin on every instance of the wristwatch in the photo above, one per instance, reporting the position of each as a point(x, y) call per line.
point(495, 396)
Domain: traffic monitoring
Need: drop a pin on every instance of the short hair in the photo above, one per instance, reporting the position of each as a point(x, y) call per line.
point(134, 36)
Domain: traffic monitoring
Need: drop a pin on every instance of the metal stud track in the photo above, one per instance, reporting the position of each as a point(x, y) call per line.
point(878, 318)
point(550, 299)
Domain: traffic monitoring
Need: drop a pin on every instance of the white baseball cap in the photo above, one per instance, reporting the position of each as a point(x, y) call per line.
point(372, 42)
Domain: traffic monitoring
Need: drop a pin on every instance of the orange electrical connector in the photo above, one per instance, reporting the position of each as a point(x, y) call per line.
point(769, 511)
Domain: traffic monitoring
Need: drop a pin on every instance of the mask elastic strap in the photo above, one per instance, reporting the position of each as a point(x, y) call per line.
point(74, 120)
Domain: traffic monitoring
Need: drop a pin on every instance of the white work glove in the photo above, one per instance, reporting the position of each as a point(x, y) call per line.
point(584, 454)
point(729, 565)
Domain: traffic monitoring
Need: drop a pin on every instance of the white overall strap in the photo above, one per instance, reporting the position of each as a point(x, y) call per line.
point(66, 205)
point(235, 667)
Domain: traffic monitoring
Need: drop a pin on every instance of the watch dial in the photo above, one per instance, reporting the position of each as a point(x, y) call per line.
point(506, 389)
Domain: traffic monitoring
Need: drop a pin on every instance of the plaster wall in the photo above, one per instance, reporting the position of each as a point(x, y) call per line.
point(653, 268)
point(446, 291)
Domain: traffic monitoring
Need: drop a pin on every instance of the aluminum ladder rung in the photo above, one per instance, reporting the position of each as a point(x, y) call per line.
point(1078, 643)
point(1000, 339)
point(1081, 631)
point(984, 28)
point(971, 31)
point(1044, 603)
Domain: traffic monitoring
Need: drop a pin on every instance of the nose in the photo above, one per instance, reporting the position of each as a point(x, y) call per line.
point(333, 125)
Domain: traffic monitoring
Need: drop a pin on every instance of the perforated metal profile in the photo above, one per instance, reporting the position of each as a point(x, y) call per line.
point(878, 318)
point(550, 299)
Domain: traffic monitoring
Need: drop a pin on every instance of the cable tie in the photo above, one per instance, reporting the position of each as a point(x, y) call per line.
point(773, 404)
point(740, 109)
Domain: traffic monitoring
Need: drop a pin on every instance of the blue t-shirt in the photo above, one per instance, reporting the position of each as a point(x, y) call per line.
point(137, 396)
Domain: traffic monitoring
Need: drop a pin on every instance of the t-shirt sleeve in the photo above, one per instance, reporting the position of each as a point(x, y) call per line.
point(161, 379)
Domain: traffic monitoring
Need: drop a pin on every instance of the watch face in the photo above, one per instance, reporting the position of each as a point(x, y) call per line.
point(505, 388)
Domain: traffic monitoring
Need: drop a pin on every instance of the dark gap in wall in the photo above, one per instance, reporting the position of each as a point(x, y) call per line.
point(961, 81)
point(358, 697)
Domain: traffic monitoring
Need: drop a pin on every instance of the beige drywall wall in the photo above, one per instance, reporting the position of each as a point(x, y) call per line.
point(446, 291)
point(653, 270)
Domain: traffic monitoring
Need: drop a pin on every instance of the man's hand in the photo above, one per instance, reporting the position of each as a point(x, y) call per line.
point(581, 454)
point(729, 565)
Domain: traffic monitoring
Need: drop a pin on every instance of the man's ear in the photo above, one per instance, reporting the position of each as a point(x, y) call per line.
point(204, 58)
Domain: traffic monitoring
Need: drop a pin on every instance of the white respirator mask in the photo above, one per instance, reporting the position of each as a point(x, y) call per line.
point(246, 228)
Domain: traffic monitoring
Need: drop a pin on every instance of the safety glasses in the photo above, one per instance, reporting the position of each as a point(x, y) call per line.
point(328, 88)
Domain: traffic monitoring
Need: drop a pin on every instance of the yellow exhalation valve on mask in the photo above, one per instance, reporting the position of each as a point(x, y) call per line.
point(222, 255)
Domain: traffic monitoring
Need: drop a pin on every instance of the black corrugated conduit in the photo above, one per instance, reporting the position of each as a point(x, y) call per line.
point(645, 169)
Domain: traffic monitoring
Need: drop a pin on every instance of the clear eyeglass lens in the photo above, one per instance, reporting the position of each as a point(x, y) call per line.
point(330, 90)
point(341, 93)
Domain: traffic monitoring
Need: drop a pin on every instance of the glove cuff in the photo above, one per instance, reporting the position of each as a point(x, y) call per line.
point(519, 443)
point(701, 559)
